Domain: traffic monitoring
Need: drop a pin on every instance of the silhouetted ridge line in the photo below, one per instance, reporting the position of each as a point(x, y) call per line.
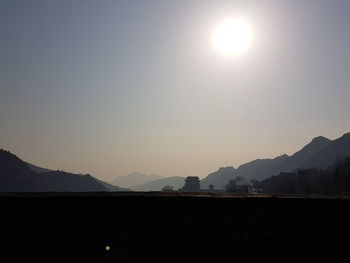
point(321, 152)
point(18, 176)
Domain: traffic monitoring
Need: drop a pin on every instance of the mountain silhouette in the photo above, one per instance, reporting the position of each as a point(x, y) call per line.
point(19, 176)
point(60, 181)
point(321, 152)
point(328, 155)
point(134, 178)
point(15, 175)
point(176, 182)
point(258, 168)
point(219, 178)
point(298, 159)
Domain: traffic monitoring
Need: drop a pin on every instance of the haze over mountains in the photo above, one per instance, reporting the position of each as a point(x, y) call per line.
point(143, 182)
point(17, 175)
point(321, 152)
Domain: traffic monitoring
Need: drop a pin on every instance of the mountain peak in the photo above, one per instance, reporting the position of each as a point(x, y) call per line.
point(320, 139)
point(337, 148)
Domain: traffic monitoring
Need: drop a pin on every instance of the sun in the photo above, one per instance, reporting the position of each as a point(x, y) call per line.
point(232, 36)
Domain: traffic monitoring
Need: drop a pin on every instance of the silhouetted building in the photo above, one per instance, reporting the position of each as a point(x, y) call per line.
point(192, 184)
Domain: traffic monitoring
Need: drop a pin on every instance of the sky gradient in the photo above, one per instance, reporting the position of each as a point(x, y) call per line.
point(112, 87)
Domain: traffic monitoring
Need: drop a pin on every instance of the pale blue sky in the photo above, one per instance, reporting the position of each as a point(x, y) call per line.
point(111, 87)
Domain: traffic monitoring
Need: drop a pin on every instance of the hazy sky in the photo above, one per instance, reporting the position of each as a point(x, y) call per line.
point(112, 87)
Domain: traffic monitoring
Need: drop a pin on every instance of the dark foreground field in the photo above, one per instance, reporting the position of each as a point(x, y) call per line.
point(149, 227)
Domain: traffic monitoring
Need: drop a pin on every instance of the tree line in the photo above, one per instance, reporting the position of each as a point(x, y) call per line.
point(334, 180)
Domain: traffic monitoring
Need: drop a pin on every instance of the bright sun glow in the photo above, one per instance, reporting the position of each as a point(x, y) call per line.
point(232, 37)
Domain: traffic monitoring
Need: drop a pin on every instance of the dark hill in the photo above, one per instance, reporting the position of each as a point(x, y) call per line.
point(321, 152)
point(297, 160)
point(328, 155)
point(219, 178)
point(60, 181)
point(18, 176)
point(15, 175)
point(260, 168)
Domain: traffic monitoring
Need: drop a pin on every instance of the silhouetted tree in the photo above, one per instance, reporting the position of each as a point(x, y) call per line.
point(334, 180)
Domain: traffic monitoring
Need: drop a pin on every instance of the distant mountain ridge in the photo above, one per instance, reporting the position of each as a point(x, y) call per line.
point(157, 185)
point(321, 152)
point(19, 176)
point(328, 155)
point(256, 168)
point(298, 159)
point(219, 178)
point(134, 178)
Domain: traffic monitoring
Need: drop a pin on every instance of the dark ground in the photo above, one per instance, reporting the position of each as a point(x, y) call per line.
point(162, 227)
